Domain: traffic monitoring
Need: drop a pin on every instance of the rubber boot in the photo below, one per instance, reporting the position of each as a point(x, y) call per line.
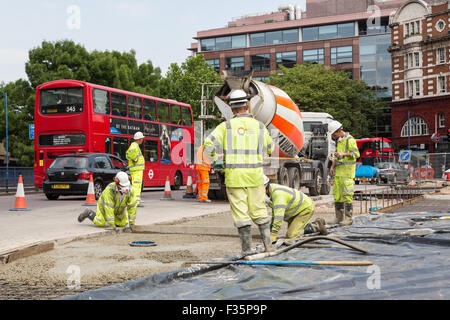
point(319, 225)
point(348, 213)
point(264, 230)
point(86, 214)
point(339, 212)
point(246, 239)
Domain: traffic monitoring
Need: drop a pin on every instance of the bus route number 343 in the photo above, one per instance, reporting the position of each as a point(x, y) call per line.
point(244, 309)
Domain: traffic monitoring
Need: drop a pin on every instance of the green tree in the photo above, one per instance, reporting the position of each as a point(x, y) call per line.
point(183, 82)
point(315, 88)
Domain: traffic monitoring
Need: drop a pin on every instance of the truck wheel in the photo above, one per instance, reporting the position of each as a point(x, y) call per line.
point(283, 177)
point(294, 178)
point(326, 185)
point(315, 190)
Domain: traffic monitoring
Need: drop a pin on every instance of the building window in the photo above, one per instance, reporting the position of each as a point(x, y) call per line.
point(208, 44)
point(260, 62)
point(441, 84)
point(273, 37)
point(440, 25)
point(239, 41)
point(313, 56)
point(287, 59)
point(417, 127)
point(235, 63)
point(441, 120)
point(340, 55)
point(412, 28)
point(257, 39)
point(441, 55)
point(223, 43)
point(417, 59)
point(215, 63)
point(329, 31)
point(417, 87)
point(413, 88)
point(311, 33)
point(262, 79)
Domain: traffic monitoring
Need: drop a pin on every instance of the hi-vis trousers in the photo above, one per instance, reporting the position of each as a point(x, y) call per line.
point(343, 189)
point(202, 183)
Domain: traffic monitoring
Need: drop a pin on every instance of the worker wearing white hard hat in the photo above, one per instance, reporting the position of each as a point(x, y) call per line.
point(136, 164)
point(343, 169)
point(116, 206)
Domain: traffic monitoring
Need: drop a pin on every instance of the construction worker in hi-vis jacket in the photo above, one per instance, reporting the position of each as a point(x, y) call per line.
point(136, 164)
point(243, 140)
point(343, 169)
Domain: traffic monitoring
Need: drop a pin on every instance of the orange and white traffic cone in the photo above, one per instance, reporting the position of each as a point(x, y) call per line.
point(90, 198)
point(189, 190)
point(20, 204)
point(167, 191)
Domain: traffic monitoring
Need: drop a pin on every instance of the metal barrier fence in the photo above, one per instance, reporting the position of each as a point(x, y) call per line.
point(13, 177)
point(430, 166)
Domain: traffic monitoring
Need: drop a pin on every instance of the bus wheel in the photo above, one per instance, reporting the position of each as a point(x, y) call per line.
point(52, 196)
point(177, 181)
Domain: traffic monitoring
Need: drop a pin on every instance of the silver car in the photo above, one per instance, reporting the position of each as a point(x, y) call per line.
point(392, 172)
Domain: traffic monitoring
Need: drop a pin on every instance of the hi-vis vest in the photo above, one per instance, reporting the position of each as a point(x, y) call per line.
point(202, 159)
point(111, 205)
point(286, 204)
point(243, 140)
point(135, 158)
point(346, 166)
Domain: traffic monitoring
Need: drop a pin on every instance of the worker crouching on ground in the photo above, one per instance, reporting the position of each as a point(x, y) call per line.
point(136, 165)
point(294, 207)
point(343, 169)
point(202, 167)
point(116, 206)
point(243, 140)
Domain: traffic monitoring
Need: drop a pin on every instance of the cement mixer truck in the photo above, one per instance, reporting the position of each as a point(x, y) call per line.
point(299, 159)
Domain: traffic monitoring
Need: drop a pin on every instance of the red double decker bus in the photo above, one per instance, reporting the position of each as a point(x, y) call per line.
point(374, 150)
point(75, 116)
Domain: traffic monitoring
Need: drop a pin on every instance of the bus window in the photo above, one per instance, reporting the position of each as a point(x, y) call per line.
point(149, 110)
point(134, 107)
point(118, 104)
point(101, 101)
point(120, 147)
point(151, 151)
point(60, 101)
point(175, 114)
point(187, 117)
point(108, 145)
point(163, 112)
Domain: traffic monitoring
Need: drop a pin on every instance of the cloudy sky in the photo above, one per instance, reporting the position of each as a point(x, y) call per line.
point(160, 31)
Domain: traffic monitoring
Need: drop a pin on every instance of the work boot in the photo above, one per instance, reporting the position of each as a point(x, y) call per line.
point(86, 214)
point(264, 230)
point(319, 225)
point(348, 213)
point(339, 212)
point(245, 233)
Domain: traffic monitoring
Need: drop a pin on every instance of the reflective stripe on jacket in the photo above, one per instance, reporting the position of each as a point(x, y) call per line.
point(135, 158)
point(346, 166)
point(112, 206)
point(243, 140)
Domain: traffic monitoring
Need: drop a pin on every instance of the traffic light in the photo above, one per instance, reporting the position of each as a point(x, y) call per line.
point(448, 134)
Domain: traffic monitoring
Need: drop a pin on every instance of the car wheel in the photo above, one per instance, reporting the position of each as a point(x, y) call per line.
point(52, 196)
point(98, 189)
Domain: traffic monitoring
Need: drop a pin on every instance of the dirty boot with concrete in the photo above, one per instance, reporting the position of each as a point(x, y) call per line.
point(264, 230)
point(348, 214)
point(246, 239)
point(318, 226)
point(339, 212)
point(86, 214)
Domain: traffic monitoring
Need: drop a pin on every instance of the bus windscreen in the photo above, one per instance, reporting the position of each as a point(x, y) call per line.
point(61, 101)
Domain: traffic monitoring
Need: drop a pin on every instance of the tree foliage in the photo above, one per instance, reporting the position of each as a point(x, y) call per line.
point(315, 88)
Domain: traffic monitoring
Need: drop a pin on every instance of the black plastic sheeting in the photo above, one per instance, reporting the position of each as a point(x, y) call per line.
point(405, 267)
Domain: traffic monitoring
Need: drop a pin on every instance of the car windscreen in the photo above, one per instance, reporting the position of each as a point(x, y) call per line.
point(69, 163)
point(382, 165)
point(307, 125)
point(61, 101)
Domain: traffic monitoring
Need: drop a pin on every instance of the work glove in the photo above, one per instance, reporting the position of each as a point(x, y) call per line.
point(273, 237)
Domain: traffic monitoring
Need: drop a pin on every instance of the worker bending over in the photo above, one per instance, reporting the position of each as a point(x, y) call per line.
point(136, 164)
point(116, 206)
point(243, 140)
point(343, 169)
point(294, 207)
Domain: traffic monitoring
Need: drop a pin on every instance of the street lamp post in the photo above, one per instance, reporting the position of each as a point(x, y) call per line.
point(5, 101)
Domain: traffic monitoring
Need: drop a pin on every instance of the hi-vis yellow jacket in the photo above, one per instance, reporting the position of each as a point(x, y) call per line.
point(136, 161)
point(346, 166)
point(115, 210)
point(243, 140)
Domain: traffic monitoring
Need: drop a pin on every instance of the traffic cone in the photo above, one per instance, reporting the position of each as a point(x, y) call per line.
point(167, 191)
point(189, 190)
point(20, 204)
point(90, 199)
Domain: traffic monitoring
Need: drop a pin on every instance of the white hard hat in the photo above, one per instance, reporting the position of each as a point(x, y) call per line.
point(334, 126)
point(266, 181)
point(138, 135)
point(237, 98)
point(122, 179)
